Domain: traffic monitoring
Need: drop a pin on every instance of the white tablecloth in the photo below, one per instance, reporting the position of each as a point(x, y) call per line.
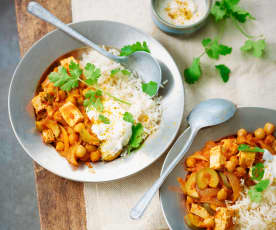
point(252, 83)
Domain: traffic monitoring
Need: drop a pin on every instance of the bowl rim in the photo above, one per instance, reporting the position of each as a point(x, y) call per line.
point(184, 27)
point(166, 148)
point(183, 133)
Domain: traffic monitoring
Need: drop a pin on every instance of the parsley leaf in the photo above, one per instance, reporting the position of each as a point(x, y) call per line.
point(257, 171)
point(128, 117)
point(214, 49)
point(218, 11)
point(136, 137)
point(130, 49)
point(93, 99)
point(150, 88)
point(257, 47)
point(262, 185)
point(92, 74)
point(75, 70)
point(255, 196)
point(247, 148)
point(114, 71)
point(125, 72)
point(62, 79)
point(104, 119)
point(193, 73)
point(224, 72)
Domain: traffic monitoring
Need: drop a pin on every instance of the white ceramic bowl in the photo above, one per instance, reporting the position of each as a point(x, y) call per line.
point(54, 45)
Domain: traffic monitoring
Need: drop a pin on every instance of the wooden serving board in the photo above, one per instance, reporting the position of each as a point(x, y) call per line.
point(60, 202)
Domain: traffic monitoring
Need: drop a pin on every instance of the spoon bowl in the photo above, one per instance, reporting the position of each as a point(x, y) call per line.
point(141, 62)
point(207, 113)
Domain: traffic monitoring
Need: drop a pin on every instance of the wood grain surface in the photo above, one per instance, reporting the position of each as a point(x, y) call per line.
point(60, 202)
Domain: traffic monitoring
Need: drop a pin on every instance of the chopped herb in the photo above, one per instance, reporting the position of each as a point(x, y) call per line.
point(62, 79)
point(257, 171)
point(92, 74)
point(114, 71)
point(104, 119)
point(93, 99)
point(224, 72)
point(193, 73)
point(130, 49)
point(256, 47)
point(150, 88)
point(255, 196)
point(247, 148)
point(214, 49)
point(136, 137)
point(128, 117)
point(262, 185)
point(125, 72)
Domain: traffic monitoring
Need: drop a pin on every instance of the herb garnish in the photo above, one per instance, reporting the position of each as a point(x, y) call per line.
point(117, 70)
point(247, 148)
point(93, 99)
point(136, 137)
point(221, 11)
point(130, 49)
point(150, 88)
point(128, 117)
point(92, 74)
point(104, 119)
point(255, 192)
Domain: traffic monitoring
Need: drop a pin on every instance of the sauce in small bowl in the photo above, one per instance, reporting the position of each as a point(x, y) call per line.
point(180, 16)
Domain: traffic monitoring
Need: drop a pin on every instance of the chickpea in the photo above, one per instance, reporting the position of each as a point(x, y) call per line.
point(95, 156)
point(60, 146)
point(190, 162)
point(241, 132)
point(269, 128)
point(80, 100)
point(78, 127)
point(90, 148)
point(62, 95)
point(73, 138)
point(241, 140)
point(71, 99)
point(222, 194)
point(230, 166)
point(269, 140)
point(240, 171)
point(80, 151)
point(259, 133)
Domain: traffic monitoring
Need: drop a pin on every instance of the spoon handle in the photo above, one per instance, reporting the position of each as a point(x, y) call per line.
point(40, 12)
point(138, 210)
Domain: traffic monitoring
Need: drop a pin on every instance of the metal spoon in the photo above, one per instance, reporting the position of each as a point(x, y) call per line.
point(207, 113)
point(142, 62)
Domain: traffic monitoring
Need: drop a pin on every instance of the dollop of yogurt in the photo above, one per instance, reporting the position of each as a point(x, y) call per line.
point(114, 135)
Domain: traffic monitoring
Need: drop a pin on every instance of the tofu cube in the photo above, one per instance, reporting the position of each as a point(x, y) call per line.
point(48, 136)
point(246, 159)
point(37, 103)
point(70, 113)
point(223, 219)
point(217, 159)
point(199, 211)
point(66, 61)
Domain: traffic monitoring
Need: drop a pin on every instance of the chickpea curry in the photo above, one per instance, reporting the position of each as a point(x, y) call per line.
point(218, 173)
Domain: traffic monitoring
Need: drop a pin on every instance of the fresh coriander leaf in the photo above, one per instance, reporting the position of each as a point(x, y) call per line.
point(104, 119)
point(193, 73)
point(254, 195)
point(62, 79)
point(224, 72)
point(247, 148)
point(128, 117)
point(214, 49)
point(130, 49)
point(91, 74)
point(150, 88)
point(240, 14)
point(257, 171)
point(125, 72)
point(218, 11)
point(93, 99)
point(262, 185)
point(114, 71)
point(257, 47)
point(136, 137)
point(75, 70)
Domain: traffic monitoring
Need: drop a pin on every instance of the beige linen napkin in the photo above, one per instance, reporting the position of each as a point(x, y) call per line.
point(252, 83)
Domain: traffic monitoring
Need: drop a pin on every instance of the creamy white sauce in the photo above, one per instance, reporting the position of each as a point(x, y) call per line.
point(182, 12)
